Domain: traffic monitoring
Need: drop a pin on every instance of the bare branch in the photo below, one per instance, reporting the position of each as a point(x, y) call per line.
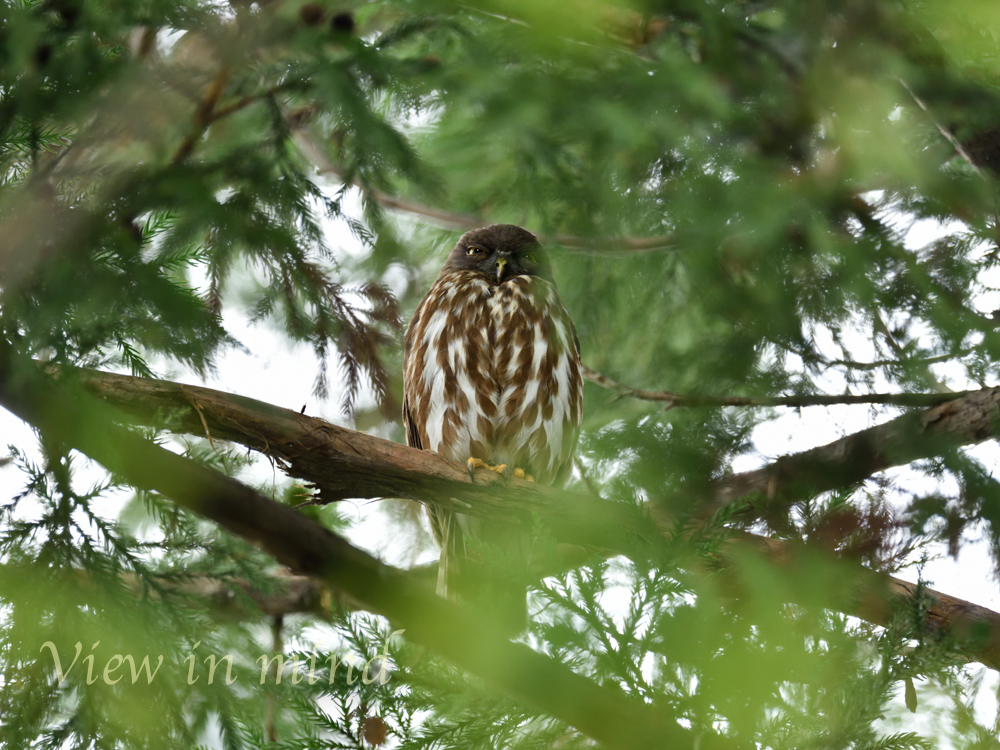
point(853, 365)
point(874, 597)
point(203, 115)
point(343, 463)
point(944, 131)
point(286, 593)
point(243, 102)
point(463, 222)
point(677, 399)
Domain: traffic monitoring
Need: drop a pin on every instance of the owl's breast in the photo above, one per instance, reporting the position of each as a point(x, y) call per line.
point(494, 373)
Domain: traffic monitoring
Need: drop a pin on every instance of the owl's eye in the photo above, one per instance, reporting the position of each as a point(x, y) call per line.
point(530, 257)
point(474, 250)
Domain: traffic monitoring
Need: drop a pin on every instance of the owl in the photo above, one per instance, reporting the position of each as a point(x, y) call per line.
point(492, 378)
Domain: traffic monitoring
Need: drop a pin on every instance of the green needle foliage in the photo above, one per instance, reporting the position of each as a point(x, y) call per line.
point(741, 198)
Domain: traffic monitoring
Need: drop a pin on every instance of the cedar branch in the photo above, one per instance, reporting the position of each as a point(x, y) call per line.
point(224, 598)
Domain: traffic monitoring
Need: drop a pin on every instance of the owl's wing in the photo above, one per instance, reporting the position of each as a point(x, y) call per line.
point(412, 433)
point(564, 470)
point(409, 424)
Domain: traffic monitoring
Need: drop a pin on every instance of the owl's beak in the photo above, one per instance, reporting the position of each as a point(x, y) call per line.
point(501, 267)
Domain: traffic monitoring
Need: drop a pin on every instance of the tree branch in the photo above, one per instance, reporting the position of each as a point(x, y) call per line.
point(243, 102)
point(854, 365)
point(681, 400)
point(607, 716)
point(944, 131)
point(286, 593)
point(203, 116)
point(970, 419)
point(344, 463)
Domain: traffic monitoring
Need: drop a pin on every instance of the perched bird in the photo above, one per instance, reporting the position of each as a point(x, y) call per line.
point(491, 377)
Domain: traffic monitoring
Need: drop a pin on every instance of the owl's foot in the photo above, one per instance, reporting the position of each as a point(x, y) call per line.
point(519, 473)
point(478, 463)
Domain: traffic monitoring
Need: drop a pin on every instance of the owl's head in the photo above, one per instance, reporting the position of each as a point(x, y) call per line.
point(499, 252)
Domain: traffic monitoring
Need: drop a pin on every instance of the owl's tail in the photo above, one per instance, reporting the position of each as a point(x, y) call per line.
point(466, 579)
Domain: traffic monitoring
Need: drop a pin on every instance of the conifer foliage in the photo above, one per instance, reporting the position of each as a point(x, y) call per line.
point(750, 206)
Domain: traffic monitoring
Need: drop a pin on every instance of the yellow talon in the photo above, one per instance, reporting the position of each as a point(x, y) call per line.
point(520, 474)
point(473, 464)
point(478, 463)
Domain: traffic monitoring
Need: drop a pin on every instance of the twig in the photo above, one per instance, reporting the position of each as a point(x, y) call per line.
point(882, 328)
point(853, 365)
point(270, 704)
point(591, 486)
point(244, 102)
point(673, 400)
point(944, 131)
point(202, 117)
point(201, 414)
point(455, 221)
point(811, 358)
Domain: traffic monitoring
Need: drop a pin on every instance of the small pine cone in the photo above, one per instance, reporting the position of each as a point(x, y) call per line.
point(311, 14)
point(374, 731)
point(342, 22)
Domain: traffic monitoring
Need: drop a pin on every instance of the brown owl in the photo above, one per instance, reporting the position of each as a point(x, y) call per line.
point(492, 378)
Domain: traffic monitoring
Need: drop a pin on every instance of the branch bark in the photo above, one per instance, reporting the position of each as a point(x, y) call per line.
point(346, 463)
point(343, 463)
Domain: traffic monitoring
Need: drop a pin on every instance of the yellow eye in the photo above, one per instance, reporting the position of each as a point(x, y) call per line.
point(530, 257)
point(474, 250)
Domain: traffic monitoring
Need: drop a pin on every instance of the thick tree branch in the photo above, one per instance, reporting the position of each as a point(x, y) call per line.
point(606, 715)
point(290, 594)
point(344, 463)
point(875, 598)
point(681, 400)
